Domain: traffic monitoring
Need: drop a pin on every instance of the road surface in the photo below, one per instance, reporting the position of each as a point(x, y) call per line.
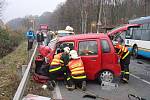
point(139, 84)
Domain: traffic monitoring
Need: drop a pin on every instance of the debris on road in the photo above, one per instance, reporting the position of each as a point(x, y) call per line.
point(35, 97)
point(89, 94)
point(131, 96)
point(44, 87)
point(108, 86)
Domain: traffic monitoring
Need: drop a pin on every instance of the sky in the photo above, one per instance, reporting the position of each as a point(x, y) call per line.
point(20, 8)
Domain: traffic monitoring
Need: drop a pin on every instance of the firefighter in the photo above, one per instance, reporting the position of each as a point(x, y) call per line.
point(77, 70)
point(65, 69)
point(57, 66)
point(124, 61)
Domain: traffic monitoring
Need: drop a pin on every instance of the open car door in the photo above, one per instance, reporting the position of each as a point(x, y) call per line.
point(118, 33)
point(122, 28)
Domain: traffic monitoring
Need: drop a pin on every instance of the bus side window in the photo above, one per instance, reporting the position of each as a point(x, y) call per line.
point(137, 34)
point(128, 34)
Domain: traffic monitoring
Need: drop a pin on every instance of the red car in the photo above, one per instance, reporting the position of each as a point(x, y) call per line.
point(97, 52)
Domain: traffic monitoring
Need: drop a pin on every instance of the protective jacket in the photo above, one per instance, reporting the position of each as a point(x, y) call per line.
point(123, 53)
point(77, 69)
point(56, 63)
point(124, 61)
point(30, 35)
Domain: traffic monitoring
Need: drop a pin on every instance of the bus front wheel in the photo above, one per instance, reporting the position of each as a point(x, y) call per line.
point(135, 51)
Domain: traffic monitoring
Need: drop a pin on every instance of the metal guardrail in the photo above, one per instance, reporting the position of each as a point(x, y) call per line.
point(22, 86)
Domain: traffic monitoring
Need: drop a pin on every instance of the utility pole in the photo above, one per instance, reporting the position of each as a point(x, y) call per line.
point(145, 7)
point(85, 23)
point(82, 26)
point(82, 16)
point(99, 15)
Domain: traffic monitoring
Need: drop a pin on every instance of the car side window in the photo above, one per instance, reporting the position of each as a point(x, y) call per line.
point(105, 46)
point(87, 48)
point(62, 45)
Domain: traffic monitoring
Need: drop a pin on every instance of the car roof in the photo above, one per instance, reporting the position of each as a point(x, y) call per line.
point(83, 36)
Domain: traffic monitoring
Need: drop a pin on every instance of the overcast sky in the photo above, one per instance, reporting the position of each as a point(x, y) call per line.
point(21, 8)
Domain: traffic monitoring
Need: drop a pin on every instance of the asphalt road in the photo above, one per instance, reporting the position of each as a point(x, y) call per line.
point(139, 84)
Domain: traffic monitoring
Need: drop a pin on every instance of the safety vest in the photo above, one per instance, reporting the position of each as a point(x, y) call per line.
point(123, 51)
point(77, 69)
point(56, 63)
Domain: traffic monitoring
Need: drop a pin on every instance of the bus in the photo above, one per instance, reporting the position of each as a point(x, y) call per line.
point(138, 39)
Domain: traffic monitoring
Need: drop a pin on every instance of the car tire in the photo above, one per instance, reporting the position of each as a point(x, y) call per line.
point(106, 76)
point(135, 52)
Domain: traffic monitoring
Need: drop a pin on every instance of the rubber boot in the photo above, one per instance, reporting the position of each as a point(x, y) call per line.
point(50, 86)
point(125, 80)
point(53, 83)
point(83, 85)
point(70, 86)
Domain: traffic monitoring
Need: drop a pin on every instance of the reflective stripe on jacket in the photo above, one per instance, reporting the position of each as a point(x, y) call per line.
point(56, 63)
point(56, 60)
point(77, 69)
point(122, 51)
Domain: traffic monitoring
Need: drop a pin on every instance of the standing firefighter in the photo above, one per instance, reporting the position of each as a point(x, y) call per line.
point(30, 36)
point(124, 61)
point(77, 70)
point(57, 66)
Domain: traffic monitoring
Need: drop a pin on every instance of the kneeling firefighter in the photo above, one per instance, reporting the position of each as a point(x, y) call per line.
point(76, 67)
point(124, 61)
point(56, 67)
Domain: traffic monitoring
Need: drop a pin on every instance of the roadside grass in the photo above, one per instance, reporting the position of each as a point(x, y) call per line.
point(9, 71)
point(10, 75)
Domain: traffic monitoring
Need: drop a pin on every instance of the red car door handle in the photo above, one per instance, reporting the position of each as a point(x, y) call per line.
point(93, 59)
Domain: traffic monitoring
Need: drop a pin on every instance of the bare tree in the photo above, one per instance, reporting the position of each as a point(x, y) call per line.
point(80, 14)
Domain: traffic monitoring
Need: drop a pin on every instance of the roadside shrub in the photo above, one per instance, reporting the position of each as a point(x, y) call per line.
point(9, 40)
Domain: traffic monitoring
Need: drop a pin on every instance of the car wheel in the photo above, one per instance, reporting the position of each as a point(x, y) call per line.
point(106, 76)
point(135, 51)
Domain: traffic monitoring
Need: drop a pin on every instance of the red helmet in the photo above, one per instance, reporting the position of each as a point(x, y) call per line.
point(44, 50)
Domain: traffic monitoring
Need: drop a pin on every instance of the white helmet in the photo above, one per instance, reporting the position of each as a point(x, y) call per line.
point(68, 28)
point(73, 54)
point(67, 49)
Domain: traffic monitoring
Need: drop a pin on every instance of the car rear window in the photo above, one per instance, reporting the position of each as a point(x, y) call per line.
point(87, 48)
point(105, 46)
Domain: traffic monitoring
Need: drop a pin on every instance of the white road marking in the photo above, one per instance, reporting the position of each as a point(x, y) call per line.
point(140, 79)
point(56, 93)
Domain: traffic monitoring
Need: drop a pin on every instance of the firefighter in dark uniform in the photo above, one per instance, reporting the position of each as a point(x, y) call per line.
point(56, 67)
point(124, 61)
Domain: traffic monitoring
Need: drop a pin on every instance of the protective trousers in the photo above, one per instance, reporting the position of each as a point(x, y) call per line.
point(78, 82)
point(124, 70)
point(55, 74)
point(68, 78)
point(30, 44)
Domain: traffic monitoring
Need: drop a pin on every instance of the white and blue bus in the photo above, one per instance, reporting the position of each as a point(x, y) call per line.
point(138, 39)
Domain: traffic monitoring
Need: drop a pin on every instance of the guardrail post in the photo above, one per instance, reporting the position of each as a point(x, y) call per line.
point(23, 69)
